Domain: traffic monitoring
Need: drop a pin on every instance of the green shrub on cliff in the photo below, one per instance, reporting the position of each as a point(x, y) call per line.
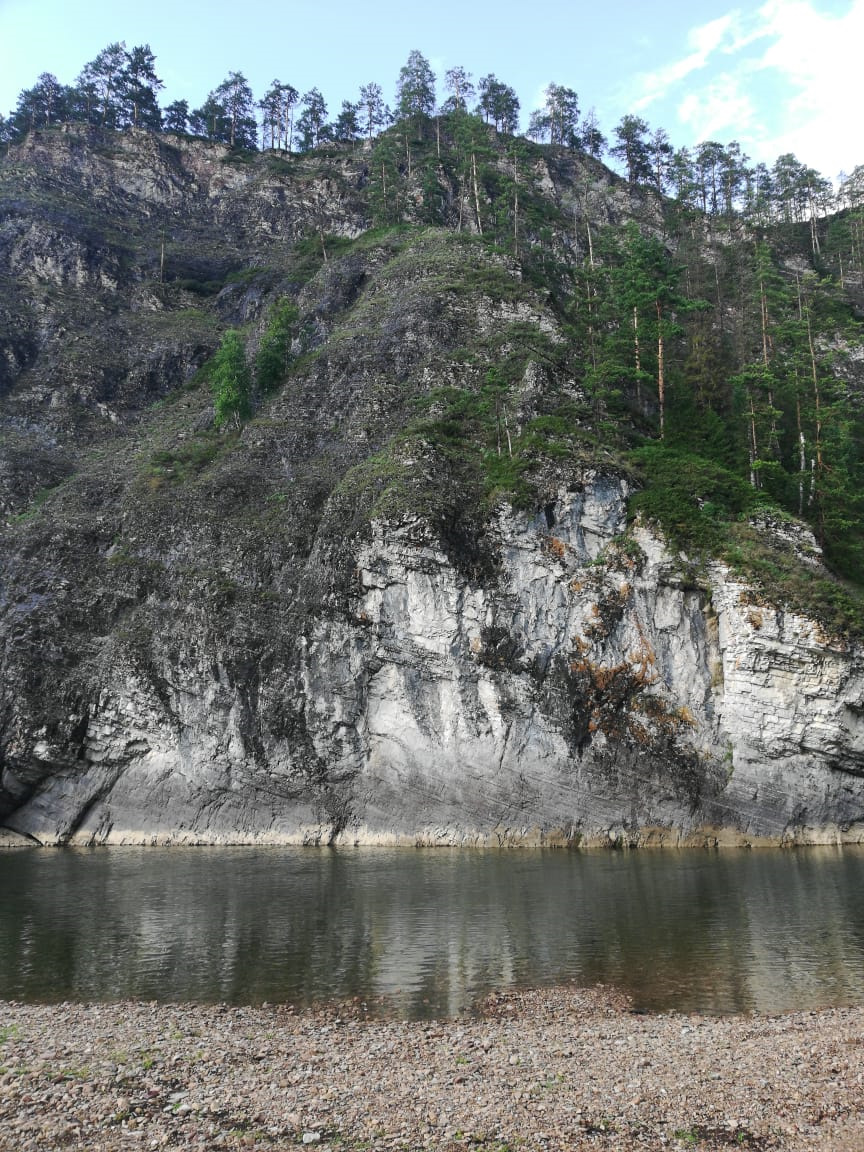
point(274, 353)
point(231, 381)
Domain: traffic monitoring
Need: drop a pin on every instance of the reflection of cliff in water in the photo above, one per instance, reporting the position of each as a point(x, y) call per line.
point(429, 931)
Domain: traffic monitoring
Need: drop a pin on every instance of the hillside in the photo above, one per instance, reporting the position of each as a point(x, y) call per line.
point(517, 536)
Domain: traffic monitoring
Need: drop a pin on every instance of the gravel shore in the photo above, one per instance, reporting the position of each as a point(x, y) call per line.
point(550, 1069)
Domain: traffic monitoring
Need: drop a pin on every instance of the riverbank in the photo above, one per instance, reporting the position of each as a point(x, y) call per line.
point(323, 835)
point(550, 1069)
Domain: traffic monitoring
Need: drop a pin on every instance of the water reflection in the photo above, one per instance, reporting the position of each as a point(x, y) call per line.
point(431, 930)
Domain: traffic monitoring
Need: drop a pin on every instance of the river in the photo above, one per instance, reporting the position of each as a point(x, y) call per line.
point(424, 933)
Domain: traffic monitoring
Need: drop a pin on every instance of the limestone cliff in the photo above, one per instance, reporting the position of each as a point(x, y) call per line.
point(332, 625)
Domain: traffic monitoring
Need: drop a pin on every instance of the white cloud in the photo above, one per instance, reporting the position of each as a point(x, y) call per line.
point(721, 109)
point(817, 56)
point(782, 78)
point(707, 37)
point(703, 41)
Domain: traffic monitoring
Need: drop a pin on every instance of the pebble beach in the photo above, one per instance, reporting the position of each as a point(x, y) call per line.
point(562, 1068)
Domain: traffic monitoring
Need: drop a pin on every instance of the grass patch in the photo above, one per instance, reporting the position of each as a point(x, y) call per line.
point(32, 509)
point(185, 461)
point(240, 156)
point(692, 499)
point(705, 510)
point(474, 426)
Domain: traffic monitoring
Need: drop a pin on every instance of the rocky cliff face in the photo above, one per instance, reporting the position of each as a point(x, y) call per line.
point(330, 625)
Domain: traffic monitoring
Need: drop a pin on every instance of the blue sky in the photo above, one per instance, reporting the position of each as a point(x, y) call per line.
point(780, 76)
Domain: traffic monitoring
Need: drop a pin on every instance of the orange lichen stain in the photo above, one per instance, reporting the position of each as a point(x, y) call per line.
point(557, 547)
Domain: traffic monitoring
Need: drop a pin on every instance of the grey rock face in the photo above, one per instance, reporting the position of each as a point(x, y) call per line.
point(309, 631)
point(586, 694)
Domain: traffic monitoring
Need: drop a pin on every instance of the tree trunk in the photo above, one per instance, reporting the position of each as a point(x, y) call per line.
point(638, 355)
point(476, 192)
point(817, 397)
point(507, 431)
point(763, 308)
point(802, 458)
point(515, 209)
point(753, 446)
point(661, 378)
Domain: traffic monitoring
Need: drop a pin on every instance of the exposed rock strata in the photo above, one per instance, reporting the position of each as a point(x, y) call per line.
point(309, 632)
point(588, 692)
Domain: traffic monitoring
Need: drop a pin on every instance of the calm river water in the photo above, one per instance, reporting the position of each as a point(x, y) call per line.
point(423, 933)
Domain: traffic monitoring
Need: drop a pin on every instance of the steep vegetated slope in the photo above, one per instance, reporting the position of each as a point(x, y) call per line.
point(509, 526)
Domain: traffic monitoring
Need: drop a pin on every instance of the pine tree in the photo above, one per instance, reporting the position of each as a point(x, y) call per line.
point(458, 83)
point(591, 139)
point(138, 87)
point(101, 83)
point(240, 127)
point(498, 104)
point(558, 120)
point(210, 121)
point(44, 104)
point(176, 117)
point(372, 112)
point(346, 126)
point(277, 106)
point(312, 120)
point(415, 90)
point(633, 149)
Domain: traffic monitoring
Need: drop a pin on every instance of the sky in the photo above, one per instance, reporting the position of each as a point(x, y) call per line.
point(779, 76)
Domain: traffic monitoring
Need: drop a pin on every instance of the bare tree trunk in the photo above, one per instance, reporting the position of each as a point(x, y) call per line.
point(661, 377)
point(773, 438)
point(817, 397)
point(507, 431)
point(638, 354)
point(515, 209)
point(763, 307)
point(753, 446)
point(476, 192)
point(802, 456)
point(591, 266)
